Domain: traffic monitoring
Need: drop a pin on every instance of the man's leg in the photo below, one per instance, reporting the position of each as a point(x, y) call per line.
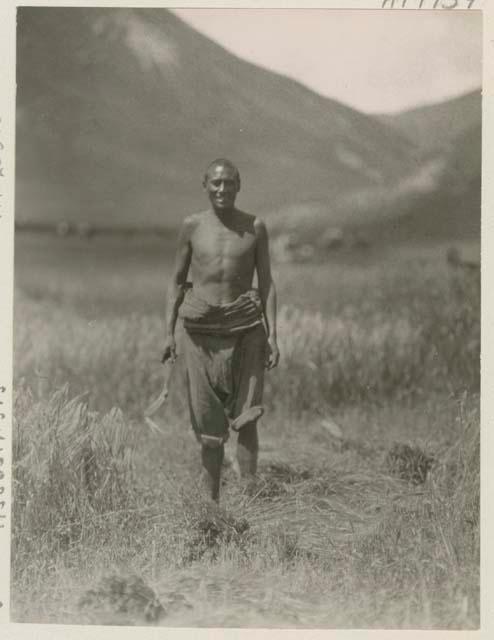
point(208, 418)
point(248, 449)
point(212, 459)
point(249, 381)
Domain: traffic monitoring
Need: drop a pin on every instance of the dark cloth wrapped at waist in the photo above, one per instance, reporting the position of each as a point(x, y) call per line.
point(200, 316)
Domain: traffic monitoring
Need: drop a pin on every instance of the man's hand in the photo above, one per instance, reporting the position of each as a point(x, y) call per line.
point(273, 355)
point(170, 350)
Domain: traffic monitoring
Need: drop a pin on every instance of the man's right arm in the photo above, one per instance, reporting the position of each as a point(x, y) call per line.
point(176, 288)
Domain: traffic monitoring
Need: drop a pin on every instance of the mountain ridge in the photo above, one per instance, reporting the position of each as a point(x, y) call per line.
point(434, 126)
point(120, 110)
point(83, 106)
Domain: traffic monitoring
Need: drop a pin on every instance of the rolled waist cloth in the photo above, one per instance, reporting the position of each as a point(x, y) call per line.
point(200, 316)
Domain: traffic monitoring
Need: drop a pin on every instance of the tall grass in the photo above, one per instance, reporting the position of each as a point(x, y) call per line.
point(405, 342)
point(71, 465)
point(398, 342)
point(337, 530)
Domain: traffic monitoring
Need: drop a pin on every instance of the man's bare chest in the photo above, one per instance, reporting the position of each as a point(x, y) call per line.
point(212, 243)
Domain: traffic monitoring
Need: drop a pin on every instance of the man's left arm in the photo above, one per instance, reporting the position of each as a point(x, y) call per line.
point(267, 291)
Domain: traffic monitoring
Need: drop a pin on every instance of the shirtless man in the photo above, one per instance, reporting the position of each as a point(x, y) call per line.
point(230, 328)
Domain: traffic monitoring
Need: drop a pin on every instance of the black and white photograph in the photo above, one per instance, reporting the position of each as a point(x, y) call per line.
point(247, 317)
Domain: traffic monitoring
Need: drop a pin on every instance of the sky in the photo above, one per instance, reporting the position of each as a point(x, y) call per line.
point(375, 61)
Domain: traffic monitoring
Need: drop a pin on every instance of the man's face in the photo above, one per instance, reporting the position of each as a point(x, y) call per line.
point(222, 186)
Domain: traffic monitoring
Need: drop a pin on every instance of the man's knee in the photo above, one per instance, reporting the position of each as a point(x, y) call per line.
point(212, 442)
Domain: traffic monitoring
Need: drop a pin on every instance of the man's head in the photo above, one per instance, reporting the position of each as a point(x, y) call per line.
point(222, 183)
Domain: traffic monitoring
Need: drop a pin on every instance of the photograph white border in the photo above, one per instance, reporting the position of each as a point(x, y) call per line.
point(7, 189)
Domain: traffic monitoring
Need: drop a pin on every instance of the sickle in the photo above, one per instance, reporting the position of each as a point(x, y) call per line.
point(156, 404)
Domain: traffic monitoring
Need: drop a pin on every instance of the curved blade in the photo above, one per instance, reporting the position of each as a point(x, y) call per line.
point(156, 404)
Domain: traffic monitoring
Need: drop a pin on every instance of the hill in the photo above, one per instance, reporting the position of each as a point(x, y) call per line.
point(448, 139)
point(120, 110)
point(437, 126)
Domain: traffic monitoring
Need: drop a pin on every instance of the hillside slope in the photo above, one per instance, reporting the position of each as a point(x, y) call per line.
point(437, 126)
point(120, 110)
point(448, 138)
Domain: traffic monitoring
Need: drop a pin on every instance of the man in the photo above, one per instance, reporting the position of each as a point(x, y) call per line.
point(230, 328)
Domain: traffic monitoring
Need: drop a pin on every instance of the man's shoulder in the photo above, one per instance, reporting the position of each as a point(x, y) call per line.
point(193, 218)
point(260, 225)
point(192, 221)
point(254, 221)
